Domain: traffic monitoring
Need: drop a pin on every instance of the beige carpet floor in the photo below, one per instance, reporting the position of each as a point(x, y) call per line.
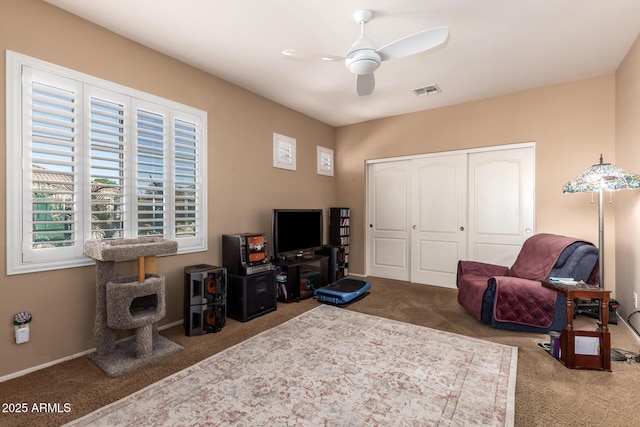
point(546, 392)
point(332, 367)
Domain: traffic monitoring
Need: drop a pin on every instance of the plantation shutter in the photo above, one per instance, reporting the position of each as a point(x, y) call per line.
point(284, 152)
point(108, 160)
point(187, 186)
point(151, 135)
point(50, 208)
point(325, 161)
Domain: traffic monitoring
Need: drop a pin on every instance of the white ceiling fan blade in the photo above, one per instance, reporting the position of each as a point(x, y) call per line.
point(297, 54)
point(365, 84)
point(415, 43)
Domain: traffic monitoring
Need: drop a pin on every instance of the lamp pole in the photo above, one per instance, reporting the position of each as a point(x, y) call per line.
point(600, 238)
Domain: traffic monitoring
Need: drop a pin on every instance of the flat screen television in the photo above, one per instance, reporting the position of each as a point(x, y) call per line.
point(296, 232)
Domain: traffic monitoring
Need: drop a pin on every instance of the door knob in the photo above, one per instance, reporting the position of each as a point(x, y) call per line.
point(461, 228)
point(414, 227)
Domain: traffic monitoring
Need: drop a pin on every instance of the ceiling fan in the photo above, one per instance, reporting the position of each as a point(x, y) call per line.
point(363, 58)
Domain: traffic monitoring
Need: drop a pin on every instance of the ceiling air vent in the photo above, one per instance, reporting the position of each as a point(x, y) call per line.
point(427, 90)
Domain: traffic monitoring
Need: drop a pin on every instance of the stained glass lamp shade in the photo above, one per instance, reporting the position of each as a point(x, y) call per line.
point(599, 178)
point(603, 176)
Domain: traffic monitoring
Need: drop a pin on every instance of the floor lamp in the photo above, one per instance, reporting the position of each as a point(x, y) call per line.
point(600, 178)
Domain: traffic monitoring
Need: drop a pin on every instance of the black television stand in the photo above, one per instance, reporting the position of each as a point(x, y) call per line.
point(297, 279)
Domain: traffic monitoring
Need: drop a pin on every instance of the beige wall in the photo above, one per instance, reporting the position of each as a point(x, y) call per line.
point(628, 206)
point(571, 125)
point(243, 186)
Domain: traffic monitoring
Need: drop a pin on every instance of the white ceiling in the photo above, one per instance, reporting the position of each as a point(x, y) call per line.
point(495, 46)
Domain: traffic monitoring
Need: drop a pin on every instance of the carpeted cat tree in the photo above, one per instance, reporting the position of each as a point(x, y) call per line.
point(132, 302)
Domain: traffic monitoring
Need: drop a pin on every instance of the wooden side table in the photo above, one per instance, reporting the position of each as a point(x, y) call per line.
point(568, 357)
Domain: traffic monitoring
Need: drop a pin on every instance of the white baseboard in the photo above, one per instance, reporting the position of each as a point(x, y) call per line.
point(633, 332)
point(73, 356)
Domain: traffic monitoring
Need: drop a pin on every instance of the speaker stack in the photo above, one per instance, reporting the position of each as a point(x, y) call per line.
point(205, 299)
point(252, 295)
point(336, 261)
point(252, 279)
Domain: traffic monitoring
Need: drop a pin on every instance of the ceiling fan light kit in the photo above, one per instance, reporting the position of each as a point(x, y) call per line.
point(364, 58)
point(363, 62)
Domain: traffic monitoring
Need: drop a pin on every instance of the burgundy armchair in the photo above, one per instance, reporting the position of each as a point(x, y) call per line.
point(513, 298)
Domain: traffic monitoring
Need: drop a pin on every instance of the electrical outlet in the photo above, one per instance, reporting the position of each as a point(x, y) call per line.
point(635, 300)
point(22, 333)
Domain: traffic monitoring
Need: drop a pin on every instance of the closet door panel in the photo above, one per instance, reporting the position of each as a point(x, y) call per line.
point(497, 196)
point(438, 200)
point(388, 216)
point(501, 204)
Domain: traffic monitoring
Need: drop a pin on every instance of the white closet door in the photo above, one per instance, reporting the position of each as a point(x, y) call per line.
point(501, 204)
point(439, 215)
point(389, 219)
point(427, 213)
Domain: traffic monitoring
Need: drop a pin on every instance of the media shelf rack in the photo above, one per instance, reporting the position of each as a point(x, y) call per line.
point(339, 232)
point(297, 279)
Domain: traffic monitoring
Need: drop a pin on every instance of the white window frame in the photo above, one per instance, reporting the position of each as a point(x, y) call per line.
point(22, 255)
point(325, 161)
point(284, 152)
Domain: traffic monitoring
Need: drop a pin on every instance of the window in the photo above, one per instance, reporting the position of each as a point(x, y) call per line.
point(90, 159)
point(325, 161)
point(284, 152)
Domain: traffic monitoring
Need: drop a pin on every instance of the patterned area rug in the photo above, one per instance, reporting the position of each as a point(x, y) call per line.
point(332, 366)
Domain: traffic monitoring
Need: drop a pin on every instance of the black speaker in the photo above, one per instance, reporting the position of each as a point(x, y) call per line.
point(335, 254)
point(336, 261)
point(205, 318)
point(251, 296)
point(205, 299)
point(205, 284)
point(245, 253)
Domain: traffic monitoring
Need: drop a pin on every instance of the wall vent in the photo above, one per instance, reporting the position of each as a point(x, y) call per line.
point(427, 90)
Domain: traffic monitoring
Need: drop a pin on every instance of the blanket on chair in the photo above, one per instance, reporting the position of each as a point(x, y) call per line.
point(538, 255)
point(520, 298)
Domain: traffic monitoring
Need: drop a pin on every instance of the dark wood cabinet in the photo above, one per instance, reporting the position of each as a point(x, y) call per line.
point(298, 279)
